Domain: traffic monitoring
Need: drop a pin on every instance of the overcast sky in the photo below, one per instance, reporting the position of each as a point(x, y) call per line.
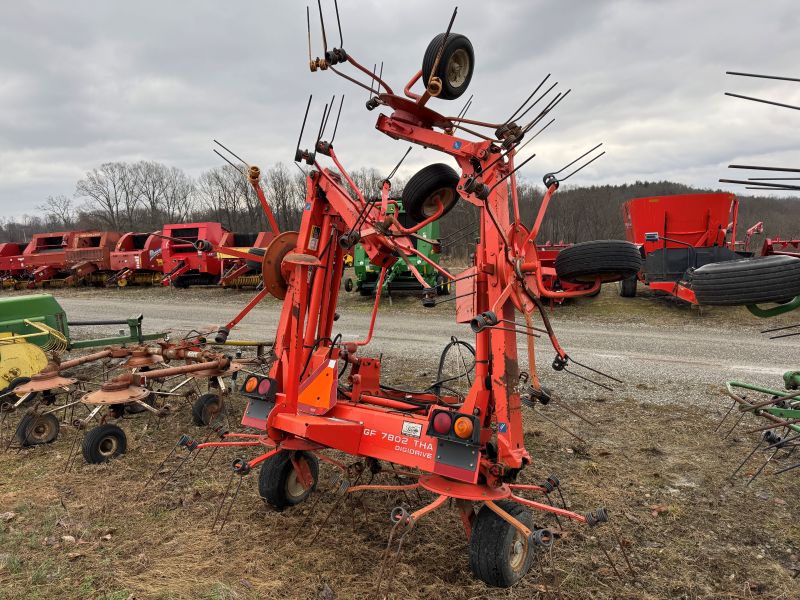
point(86, 82)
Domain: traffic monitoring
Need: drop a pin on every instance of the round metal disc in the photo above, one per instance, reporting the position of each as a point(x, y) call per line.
point(465, 491)
point(274, 280)
point(43, 385)
point(131, 393)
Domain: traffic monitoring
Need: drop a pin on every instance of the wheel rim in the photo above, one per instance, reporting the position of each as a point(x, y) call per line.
point(294, 487)
point(42, 431)
point(518, 552)
point(108, 446)
point(445, 195)
point(458, 68)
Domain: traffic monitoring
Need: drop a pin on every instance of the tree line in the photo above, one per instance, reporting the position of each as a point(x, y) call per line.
point(143, 196)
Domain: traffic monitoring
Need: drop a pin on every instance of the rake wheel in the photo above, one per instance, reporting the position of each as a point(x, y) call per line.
point(206, 408)
point(278, 482)
point(34, 430)
point(104, 442)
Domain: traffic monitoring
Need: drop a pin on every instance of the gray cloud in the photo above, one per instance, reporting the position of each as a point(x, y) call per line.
point(88, 81)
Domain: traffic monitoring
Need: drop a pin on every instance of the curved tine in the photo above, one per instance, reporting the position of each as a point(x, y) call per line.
point(352, 80)
point(776, 77)
point(339, 114)
point(539, 99)
point(546, 110)
point(338, 23)
point(308, 23)
point(303, 126)
point(397, 166)
point(762, 101)
point(577, 159)
point(322, 23)
point(582, 167)
point(528, 99)
point(321, 125)
point(232, 153)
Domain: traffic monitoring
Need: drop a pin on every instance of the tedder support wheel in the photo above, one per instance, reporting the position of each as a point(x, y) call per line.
point(611, 260)
point(747, 281)
point(206, 408)
point(348, 284)
point(455, 66)
point(255, 265)
point(498, 554)
point(279, 484)
point(37, 429)
point(434, 182)
point(104, 442)
point(628, 287)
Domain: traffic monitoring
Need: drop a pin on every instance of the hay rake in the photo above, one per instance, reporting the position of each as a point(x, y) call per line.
point(322, 393)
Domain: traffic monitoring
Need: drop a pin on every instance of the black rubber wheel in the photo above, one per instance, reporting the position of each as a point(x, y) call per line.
point(255, 265)
point(206, 408)
point(611, 260)
point(104, 442)
point(348, 284)
point(747, 281)
point(278, 484)
point(443, 285)
point(37, 429)
point(135, 408)
point(455, 68)
point(17, 381)
point(628, 287)
point(498, 555)
point(436, 181)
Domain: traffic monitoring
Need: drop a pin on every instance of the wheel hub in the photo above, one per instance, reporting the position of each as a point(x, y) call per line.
point(107, 446)
point(458, 68)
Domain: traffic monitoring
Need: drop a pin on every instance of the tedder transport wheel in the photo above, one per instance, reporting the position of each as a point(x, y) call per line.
point(278, 482)
point(628, 287)
point(37, 429)
point(498, 554)
point(255, 265)
point(104, 442)
point(206, 408)
point(455, 66)
point(348, 284)
point(611, 260)
point(436, 181)
point(747, 281)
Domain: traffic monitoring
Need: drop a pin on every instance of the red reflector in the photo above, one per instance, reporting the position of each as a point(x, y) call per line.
point(442, 422)
point(263, 387)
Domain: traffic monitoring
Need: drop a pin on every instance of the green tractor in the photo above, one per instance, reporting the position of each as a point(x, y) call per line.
point(35, 324)
point(399, 276)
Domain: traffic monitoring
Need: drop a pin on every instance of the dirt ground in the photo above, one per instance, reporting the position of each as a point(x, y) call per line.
point(654, 460)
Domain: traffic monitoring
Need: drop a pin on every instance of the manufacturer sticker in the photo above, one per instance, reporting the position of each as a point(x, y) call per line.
point(457, 145)
point(502, 427)
point(412, 429)
point(313, 243)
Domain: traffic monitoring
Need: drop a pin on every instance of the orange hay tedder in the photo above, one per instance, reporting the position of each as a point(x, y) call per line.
point(468, 447)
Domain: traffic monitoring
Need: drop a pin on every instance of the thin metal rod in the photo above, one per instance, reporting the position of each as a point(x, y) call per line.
point(764, 185)
point(338, 23)
point(762, 101)
point(565, 167)
point(582, 167)
point(528, 99)
point(397, 166)
point(231, 152)
point(517, 168)
point(339, 114)
point(322, 24)
point(776, 77)
point(755, 168)
point(223, 157)
point(303, 126)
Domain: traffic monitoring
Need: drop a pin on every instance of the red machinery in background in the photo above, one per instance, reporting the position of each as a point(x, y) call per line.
point(677, 234)
point(183, 263)
point(780, 247)
point(88, 258)
point(137, 259)
point(11, 267)
point(45, 257)
point(239, 272)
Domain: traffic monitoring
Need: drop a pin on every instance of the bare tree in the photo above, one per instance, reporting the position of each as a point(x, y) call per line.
point(59, 211)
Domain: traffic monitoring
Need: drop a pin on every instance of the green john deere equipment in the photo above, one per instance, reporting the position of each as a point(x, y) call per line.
point(399, 277)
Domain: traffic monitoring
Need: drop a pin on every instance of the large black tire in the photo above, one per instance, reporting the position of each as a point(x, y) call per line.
point(747, 281)
point(498, 555)
point(17, 381)
point(348, 284)
point(628, 287)
point(278, 484)
point(255, 265)
point(206, 408)
point(37, 429)
point(104, 442)
point(455, 68)
point(429, 183)
point(611, 260)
